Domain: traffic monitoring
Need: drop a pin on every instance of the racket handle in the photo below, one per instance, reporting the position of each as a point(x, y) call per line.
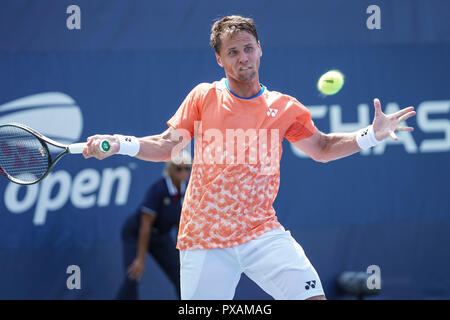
point(77, 148)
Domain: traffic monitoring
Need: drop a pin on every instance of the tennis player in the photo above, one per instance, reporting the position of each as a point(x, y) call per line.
point(228, 224)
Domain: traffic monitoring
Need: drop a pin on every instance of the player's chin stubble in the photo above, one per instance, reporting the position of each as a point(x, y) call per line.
point(247, 77)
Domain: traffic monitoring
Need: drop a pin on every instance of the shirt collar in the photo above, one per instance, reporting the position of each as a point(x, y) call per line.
point(225, 83)
point(172, 189)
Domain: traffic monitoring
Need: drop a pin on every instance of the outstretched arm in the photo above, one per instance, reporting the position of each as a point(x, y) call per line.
point(156, 148)
point(327, 147)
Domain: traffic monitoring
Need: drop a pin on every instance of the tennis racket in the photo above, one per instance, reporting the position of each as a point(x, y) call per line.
point(25, 156)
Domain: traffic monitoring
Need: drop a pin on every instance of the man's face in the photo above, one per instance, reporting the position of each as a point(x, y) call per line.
point(240, 55)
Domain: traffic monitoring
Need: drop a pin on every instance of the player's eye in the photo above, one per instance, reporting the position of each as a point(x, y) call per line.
point(248, 49)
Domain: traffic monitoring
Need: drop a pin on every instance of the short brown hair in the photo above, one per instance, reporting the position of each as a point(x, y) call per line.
point(231, 24)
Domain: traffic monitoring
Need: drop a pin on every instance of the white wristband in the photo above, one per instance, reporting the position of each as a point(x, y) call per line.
point(366, 138)
point(129, 145)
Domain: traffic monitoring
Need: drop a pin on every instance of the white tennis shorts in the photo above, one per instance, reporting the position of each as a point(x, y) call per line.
point(274, 261)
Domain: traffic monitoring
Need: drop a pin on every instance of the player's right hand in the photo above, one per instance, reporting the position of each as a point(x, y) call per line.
point(93, 146)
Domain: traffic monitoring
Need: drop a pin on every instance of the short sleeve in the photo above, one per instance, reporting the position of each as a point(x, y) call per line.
point(302, 127)
point(188, 112)
point(153, 199)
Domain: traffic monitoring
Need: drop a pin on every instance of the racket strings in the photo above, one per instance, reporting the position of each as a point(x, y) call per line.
point(22, 156)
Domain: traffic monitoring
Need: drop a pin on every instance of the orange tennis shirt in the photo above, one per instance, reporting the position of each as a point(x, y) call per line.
point(235, 174)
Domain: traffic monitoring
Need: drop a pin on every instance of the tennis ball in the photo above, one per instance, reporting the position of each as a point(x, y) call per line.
point(330, 82)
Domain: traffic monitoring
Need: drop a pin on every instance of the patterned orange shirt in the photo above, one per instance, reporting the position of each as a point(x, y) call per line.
point(235, 174)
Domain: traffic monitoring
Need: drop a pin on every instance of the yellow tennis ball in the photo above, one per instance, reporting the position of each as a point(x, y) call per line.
point(330, 82)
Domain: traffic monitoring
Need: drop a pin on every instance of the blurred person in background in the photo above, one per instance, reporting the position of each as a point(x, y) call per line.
point(149, 230)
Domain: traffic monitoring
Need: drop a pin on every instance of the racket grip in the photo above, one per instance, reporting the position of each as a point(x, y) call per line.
point(77, 148)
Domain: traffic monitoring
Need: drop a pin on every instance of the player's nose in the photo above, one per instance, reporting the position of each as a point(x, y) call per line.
point(243, 58)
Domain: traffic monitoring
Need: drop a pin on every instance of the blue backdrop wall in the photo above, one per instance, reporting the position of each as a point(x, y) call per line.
point(132, 63)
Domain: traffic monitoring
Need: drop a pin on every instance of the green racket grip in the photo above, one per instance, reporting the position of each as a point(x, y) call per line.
point(105, 146)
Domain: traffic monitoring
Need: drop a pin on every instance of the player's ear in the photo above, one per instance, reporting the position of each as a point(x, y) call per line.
point(260, 49)
point(219, 60)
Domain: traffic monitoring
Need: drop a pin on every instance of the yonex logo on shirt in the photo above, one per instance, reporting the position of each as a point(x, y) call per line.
point(272, 112)
point(310, 284)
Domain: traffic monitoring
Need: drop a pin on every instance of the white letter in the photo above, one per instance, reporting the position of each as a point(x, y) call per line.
point(435, 125)
point(44, 202)
point(13, 204)
point(270, 164)
point(87, 181)
point(374, 281)
point(184, 144)
point(374, 21)
point(74, 281)
point(123, 175)
point(267, 309)
point(212, 153)
point(198, 143)
point(237, 153)
point(73, 21)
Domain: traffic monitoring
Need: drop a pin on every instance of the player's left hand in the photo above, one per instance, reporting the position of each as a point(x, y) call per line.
point(385, 125)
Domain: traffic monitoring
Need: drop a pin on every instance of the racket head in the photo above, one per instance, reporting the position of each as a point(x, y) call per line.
point(24, 157)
